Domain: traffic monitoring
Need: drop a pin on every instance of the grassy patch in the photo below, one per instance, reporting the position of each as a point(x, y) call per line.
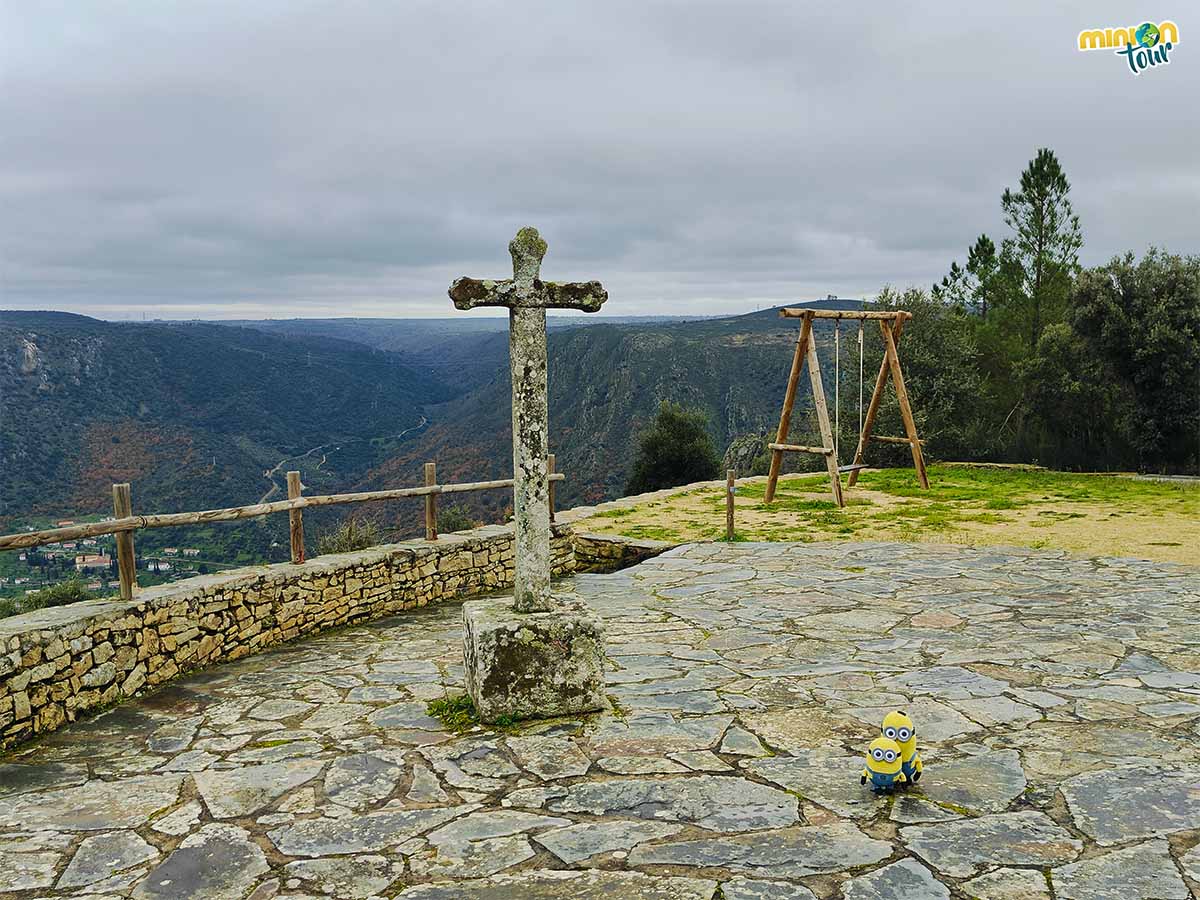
point(456, 713)
point(1097, 515)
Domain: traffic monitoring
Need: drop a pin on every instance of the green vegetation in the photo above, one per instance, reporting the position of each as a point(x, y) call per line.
point(455, 518)
point(69, 591)
point(971, 504)
point(1076, 369)
point(199, 413)
point(352, 534)
point(676, 449)
point(456, 713)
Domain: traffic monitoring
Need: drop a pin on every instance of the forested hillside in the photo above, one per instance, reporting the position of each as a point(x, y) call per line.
point(606, 383)
point(193, 415)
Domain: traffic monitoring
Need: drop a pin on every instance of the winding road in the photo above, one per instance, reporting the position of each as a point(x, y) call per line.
point(271, 473)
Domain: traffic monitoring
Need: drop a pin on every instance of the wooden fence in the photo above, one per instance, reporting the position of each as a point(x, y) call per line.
point(124, 523)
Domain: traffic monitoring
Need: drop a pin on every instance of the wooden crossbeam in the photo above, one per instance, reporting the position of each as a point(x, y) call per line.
point(794, 313)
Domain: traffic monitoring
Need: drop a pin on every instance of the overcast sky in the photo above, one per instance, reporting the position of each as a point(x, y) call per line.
point(255, 158)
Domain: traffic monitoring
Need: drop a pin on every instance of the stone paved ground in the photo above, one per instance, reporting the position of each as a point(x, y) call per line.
point(1056, 699)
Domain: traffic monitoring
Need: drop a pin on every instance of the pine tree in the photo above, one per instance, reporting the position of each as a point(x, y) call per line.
point(1042, 255)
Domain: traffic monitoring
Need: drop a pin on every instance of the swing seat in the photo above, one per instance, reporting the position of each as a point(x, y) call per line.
point(853, 467)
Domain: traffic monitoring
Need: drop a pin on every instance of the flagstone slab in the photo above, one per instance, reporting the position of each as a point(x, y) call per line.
point(656, 733)
point(362, 779)
point(30, 860)
point(566, 885)
point(218, 862)
point(549, 757)
point(755, 889)
point(903, 880)
point(23, 779)
point(579, 842)
point(715, 802)
point(102, 806)
point(347, 877)
point(102, 855)
point(361, 833)
point(1009, 884)
point(1125, 804)
point(961, 848)
point(232, 793)
point(788, 852)
point(986, 783)
point(1145, 870)
point(828, 780)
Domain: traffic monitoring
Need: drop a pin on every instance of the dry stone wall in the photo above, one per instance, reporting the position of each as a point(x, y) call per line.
point(57, 663)
point(607, 553)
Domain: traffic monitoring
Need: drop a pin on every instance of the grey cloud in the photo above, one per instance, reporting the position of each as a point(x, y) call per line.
point(232, 159)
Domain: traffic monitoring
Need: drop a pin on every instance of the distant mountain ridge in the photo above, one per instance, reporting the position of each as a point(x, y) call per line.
point(195, 414)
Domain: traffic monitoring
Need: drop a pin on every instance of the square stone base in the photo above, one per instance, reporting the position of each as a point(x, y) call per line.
point(532, 665)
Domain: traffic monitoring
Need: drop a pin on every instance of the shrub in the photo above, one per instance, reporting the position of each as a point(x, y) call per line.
point(8, 607)
point(455, 518)
point(350, 535)
point(69, 591)
point(676, 449)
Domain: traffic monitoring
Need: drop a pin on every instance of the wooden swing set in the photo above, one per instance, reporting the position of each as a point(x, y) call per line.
point(891, 324)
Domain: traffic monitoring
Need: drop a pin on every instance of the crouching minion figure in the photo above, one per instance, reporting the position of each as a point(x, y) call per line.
point(883, 766)
point(899, 727)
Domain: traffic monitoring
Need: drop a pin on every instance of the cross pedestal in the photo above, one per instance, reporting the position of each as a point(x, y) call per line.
point(533, 656)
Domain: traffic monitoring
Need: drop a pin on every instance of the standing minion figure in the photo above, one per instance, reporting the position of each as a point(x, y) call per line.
point(899, 727)
point(883, 766)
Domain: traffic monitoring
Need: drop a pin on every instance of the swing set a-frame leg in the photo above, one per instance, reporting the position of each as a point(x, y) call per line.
point(818, 390)
point(789, 400)
point(910, 426)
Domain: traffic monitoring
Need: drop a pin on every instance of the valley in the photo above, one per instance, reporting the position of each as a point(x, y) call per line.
point(203, 415)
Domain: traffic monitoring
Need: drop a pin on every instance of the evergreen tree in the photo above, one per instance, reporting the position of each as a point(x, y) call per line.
point(1042, 254)
point(975, 286)
point(676, 449)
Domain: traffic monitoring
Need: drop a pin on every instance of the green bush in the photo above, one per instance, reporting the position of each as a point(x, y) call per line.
point(676, 449)
point(8, 607)
point(69, 591)
point(455, 518)
point(350, 535)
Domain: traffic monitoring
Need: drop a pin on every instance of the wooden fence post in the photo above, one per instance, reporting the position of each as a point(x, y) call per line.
point(431, 525)
point(296, 517)
point(550, 471)
point(126, 566)
point(730, 478)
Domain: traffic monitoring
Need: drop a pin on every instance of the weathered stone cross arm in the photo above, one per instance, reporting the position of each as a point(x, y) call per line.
point(468, 293)
point(526, 290)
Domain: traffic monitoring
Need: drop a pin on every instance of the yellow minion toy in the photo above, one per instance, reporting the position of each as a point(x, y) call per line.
point(899, 727)
point(883, 765)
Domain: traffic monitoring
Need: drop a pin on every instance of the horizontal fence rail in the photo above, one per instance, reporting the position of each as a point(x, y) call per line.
point(124, 523)
point(232, 513)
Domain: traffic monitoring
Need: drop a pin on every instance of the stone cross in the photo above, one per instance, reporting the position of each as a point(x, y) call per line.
point(527, 298)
